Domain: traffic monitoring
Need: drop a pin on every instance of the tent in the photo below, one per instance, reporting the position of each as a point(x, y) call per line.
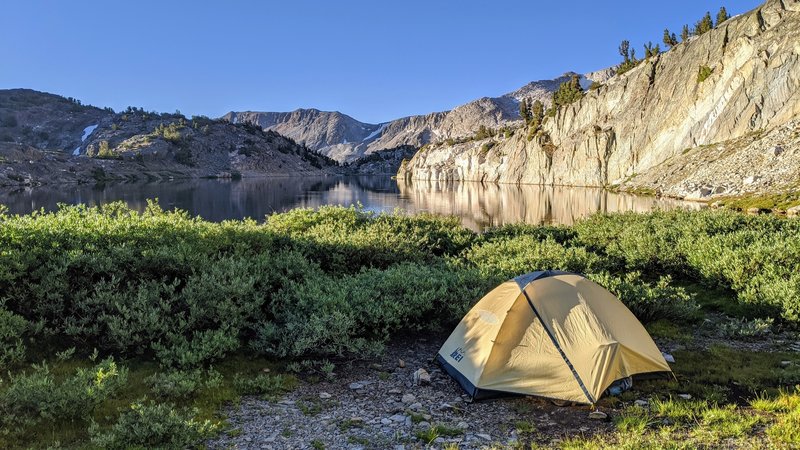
point(552, 334)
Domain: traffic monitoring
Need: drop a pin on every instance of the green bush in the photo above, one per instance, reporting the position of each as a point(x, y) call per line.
point(346, 239)
point(357, 313)
point(150, 425)
point(12, 330)
point(182, 384)
point(650, 302)
point(39, 396)
point(188, 292)
point(703, 73)
point(506, 257)
point(758, 257)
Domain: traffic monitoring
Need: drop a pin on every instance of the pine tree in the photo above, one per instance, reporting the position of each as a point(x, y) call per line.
point(537, 114)
point(624, 51)
point(704, 25)
point(568, 92)
point(650, 50)
point(722, 15)
point(524, 111)
point(670, 40)
point(684, 33)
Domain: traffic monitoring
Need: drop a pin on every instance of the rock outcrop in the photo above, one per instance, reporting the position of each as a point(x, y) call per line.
point(47, 139)
point(628, 128)
point(343, 138)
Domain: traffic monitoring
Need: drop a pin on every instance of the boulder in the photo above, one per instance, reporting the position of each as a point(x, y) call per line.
point(598, 415)
point(775, 151)
point(421, 377)
point(751, 179)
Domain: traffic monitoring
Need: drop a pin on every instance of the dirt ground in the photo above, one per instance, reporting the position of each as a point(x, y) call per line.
point(375, 404)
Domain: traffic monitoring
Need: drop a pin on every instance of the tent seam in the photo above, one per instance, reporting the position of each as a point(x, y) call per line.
point(558, 347)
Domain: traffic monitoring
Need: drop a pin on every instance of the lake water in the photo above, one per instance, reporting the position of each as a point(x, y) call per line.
point(479, 205)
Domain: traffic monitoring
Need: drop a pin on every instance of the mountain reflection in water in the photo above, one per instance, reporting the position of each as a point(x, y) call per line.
point(479, 205)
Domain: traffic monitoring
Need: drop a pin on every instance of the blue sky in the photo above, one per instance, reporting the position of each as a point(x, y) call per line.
point(375, 61)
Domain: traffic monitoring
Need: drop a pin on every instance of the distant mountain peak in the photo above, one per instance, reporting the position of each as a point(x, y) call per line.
point(344, 138)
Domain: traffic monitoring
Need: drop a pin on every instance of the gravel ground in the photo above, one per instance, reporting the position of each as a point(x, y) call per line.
point(377, 405)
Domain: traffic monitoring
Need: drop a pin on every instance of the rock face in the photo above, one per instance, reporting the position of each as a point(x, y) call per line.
point(47, 139)
point(628, 128)
point(45, 121)
point(345, 139)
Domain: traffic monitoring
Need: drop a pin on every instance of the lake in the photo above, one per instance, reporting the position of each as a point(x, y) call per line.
point(478, 205)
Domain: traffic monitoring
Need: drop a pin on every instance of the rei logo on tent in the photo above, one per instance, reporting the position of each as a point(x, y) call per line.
point(458, 354)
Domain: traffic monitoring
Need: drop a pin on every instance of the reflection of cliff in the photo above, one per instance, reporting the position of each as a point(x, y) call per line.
point(481, 205)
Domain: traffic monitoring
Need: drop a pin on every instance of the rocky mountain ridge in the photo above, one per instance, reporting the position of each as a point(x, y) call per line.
point(47, 139)
point(344, 138)
point(624, 132)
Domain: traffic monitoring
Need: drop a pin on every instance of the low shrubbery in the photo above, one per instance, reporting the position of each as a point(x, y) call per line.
point(152, 425)
point(36, 396)
point(182, 294)
point(341, 280)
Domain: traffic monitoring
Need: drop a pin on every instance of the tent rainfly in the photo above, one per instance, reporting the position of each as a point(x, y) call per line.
point(550, 334)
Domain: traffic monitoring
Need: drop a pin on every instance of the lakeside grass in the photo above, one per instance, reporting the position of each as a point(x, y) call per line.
point(161, 318)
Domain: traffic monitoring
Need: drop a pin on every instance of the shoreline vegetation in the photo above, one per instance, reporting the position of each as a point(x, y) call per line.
point(121, 329)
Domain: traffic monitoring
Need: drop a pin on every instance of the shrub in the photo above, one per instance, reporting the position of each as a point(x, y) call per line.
point(182, 384)
point(105, 152)
point(357, 313)
point(150, 425)
point(35, 397)
point(347, 239)
point(703, 73)
point(743, 328)
point(757, 257)
point(650, 302)
point(505, 258)
point(12, 329)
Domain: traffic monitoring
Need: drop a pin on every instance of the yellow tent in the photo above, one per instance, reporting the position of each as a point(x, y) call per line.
point(551, 334)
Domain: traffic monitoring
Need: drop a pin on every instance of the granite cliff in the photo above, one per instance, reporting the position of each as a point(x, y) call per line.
point(661, 125)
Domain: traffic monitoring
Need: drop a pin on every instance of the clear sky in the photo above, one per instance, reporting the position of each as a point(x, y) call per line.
point(375, 60)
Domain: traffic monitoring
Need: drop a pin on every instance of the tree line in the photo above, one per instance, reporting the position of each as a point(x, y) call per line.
point(669, 39)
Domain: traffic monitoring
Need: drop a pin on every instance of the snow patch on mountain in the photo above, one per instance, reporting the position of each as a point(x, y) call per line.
point(86, 133)
point(376, 132)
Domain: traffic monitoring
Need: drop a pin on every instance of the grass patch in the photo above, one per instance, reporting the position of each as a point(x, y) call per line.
point(769, 202)
point(703, 73)
point(667, 330)
point(525, 427)
point(439, 430)
point(202, 406)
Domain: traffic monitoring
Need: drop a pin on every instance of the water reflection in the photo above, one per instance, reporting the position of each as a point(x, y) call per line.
point(484, 205)
point(477, 204)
